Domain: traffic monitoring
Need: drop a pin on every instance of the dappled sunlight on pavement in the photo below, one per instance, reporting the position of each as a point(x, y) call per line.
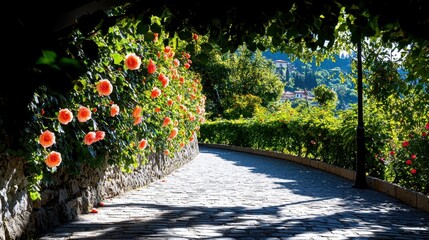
point(224, 194)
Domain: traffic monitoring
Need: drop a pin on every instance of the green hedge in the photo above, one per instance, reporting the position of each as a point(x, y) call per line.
point(330, 139)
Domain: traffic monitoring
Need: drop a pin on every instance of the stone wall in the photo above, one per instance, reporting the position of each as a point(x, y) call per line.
point(68, 196)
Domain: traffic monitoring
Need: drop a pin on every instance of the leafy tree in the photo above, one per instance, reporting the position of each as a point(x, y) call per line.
point(215, 76)
point(254, 74)
point(244, 106)
point(243, 73)
point(309, 78)
point(325, 96)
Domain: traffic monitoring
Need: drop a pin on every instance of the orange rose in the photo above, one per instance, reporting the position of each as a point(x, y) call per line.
point(137, 111)
point(104, 87)
point(195, 36)
point(173, 133)
point(138, 120)
point(182, 144)
point(84, 114)
point(155, 92)
point(47, 139)
point(167, 49)
point(161, 76)
point(90, 138)
point(151, 67)
point(132, 61)
point(114, 110)
point(143, 144)
point(191, 117)
point(99, 135)
point(157, 110)
point(167, 121)
point(167, 152)
point(165, 81)
point(53, 159)
point(169, 102)
point(202, 120)
point(176, 62)
point(65, 116)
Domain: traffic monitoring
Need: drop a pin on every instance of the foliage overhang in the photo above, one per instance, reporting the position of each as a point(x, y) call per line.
point(228, 24)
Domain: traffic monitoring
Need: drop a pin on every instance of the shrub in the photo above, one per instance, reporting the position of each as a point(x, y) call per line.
point(139, 96)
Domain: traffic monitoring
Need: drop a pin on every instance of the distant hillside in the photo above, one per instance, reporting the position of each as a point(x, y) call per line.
point(329, 73)
point(342, 63)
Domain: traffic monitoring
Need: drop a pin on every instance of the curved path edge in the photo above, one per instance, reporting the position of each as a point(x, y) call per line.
point(411, 198)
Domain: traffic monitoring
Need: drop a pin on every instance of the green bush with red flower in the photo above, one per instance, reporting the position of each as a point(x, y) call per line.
point(330, 136)
point(139, 96)
point(408, 160)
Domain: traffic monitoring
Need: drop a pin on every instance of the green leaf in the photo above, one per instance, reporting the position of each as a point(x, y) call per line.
point(69, 62)
point(261, 47)
point(155, 27)
point(142, 28)
point(206, 47)
point(117, 58)
point(342, 27)
point(185, 35)
point(80, 85)
point(35, 196)
point(190, 48)
point(149, 36)
point(203, 58)
point(276, 41)
point(252, 46)
point(273, 30)
point(48, 57)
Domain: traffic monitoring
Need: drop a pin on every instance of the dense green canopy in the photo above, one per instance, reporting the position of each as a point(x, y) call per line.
point(34, 26)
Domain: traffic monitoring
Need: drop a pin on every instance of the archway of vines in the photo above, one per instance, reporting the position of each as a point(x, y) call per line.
point(59, 63)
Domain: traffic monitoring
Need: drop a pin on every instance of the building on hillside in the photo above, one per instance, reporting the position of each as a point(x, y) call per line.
point(299, 94)
point(283, 65)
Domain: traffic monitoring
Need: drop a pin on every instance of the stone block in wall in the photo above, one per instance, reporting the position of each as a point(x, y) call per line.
point(423, 202)
point(385, 187)
point(2, 231)
point(407, 196)
point(324, 166)
point(67, 196)
point(334, 170)
point(314, 164)
point(370, 181)
point(347, 174)
point(14, 205)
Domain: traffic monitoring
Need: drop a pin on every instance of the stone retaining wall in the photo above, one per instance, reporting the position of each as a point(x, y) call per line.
point(68, 196)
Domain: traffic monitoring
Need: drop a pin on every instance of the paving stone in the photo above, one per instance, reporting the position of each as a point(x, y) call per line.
point(227, 195)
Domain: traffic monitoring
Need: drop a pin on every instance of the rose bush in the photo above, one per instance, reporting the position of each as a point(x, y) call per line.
point(409, 160)
point(140, 96)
